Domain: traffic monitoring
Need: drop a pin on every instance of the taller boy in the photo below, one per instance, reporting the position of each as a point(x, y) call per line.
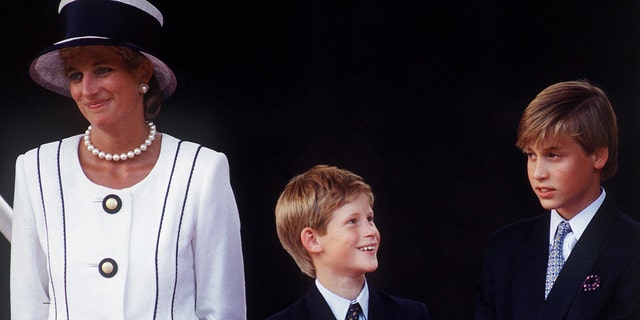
point(582, 260)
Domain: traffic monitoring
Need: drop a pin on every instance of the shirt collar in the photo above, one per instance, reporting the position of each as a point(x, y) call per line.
point(339, 305)
point(580, 221)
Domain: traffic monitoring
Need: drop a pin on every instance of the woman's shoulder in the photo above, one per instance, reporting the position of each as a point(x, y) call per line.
point(187, 154)
point(190, 147)
point(52, 147)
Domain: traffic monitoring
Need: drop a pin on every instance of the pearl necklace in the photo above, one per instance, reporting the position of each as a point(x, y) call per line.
point(123, 156)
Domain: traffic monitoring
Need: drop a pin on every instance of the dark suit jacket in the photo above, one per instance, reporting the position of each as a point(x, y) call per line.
point(312, 306)
point(515, 265)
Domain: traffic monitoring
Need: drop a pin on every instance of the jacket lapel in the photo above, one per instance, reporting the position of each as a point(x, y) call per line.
point(377, 309)
point(318, 308)
point(530, 272)
point(580, 262)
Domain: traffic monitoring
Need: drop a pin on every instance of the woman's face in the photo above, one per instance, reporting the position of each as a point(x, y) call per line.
point(105, 91)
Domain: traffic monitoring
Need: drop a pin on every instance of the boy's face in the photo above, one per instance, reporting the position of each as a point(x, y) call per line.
point(563, 176)
point(351, 242)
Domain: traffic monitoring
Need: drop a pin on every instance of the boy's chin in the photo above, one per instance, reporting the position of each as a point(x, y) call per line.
point(547, 204)
point(371, 267)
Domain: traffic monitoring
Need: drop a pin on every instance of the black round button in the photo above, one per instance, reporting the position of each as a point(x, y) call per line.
point(108, 267)
point(111, 204)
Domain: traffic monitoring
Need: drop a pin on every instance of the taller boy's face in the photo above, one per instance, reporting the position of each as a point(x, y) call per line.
point(350, 244)
point(563, 176)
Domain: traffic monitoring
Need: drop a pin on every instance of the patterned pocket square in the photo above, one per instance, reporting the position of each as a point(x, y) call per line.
point(591, 283)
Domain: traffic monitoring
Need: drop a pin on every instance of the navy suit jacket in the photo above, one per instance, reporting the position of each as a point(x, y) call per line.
point(515, 265)
point(312, 306)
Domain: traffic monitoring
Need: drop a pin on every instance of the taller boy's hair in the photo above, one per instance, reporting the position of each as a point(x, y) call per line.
point(576, 109)
point(309, 200)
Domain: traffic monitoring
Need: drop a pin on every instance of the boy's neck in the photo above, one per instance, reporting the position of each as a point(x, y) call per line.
point(346, 287)
point(595, 192)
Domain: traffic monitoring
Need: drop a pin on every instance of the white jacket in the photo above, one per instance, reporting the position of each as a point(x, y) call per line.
point(175, 239)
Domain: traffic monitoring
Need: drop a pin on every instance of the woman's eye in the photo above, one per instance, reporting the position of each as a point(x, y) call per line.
point(75, 76)
point(103, 70)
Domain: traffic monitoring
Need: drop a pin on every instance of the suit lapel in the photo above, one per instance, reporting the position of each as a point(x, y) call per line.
point(575, 270)
point(377, 309)
point(318, 307)
point(530, 272)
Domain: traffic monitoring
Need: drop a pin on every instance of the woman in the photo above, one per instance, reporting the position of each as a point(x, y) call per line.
point(121, 222)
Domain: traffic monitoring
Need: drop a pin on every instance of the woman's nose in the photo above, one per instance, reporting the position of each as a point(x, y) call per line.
point(89, 86)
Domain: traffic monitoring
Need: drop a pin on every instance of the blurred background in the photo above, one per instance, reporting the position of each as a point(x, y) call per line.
point(420, 98)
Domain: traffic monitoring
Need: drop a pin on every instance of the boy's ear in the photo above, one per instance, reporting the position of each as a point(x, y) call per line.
point(309, 238)
point(600, 157)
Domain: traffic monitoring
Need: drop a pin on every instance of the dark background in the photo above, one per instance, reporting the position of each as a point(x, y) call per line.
point(420, 98)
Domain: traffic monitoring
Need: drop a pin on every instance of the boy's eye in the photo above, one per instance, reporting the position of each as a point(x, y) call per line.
point(530, 155)
point(370, 218)
point(352, 221)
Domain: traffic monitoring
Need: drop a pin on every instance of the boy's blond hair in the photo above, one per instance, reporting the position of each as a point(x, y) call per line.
point(576, 109)
point(309, 200)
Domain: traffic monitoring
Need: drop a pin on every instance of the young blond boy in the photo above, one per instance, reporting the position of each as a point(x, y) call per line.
point(324, 220)
point(582, 260)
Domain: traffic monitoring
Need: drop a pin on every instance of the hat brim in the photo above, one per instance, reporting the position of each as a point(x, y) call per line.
point(47, 69)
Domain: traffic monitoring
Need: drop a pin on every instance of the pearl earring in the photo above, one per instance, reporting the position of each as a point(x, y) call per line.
point(143, 88)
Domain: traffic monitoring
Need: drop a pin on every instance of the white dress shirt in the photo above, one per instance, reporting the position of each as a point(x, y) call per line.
point(578, 224)
point(339, 305)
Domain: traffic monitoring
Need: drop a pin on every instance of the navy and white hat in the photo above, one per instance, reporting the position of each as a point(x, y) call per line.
point(134, 24)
